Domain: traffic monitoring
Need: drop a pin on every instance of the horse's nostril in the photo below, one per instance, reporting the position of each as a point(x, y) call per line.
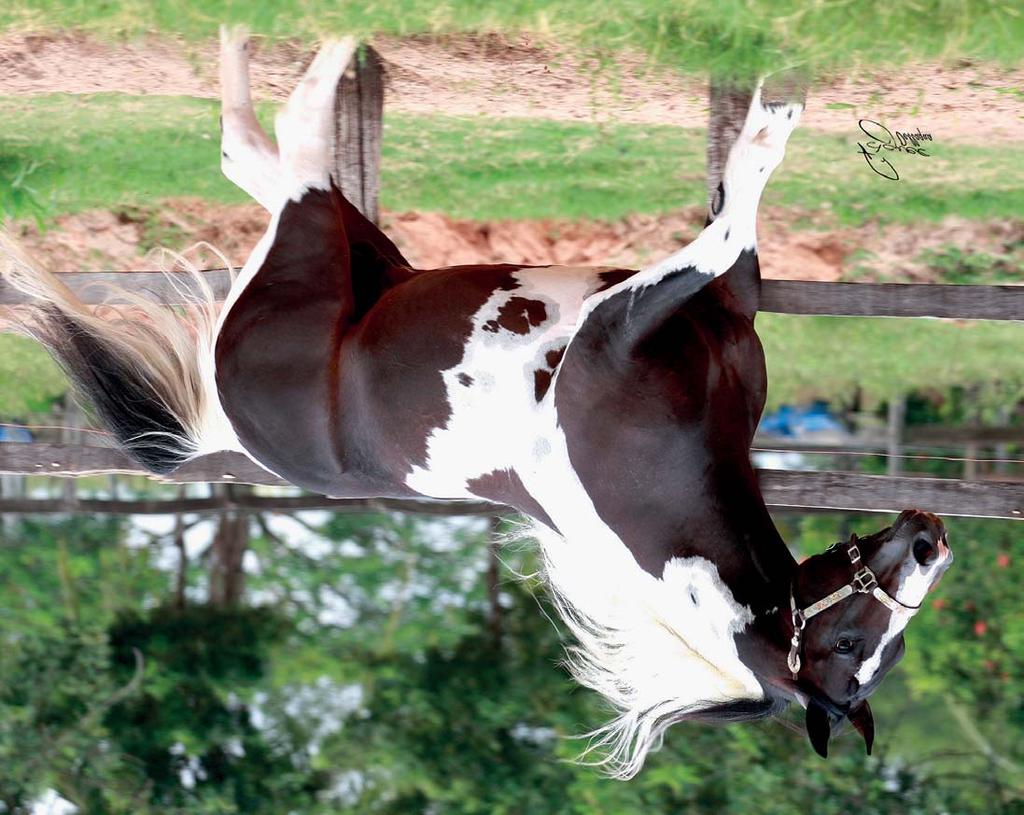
point(925, 551)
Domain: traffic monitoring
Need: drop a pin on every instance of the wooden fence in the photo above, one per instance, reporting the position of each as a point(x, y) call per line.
point(359, 117)
point(783, 489)
point(781, 296)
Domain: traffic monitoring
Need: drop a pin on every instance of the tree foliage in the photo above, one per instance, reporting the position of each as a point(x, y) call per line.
point(378, 674)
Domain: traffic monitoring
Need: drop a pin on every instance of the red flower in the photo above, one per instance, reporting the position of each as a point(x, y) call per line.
point(980, 628)
point(940, 603)
point(1002, 560)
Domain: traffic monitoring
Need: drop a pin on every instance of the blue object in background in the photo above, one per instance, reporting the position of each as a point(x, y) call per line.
point(792, 422)
point(14, 434)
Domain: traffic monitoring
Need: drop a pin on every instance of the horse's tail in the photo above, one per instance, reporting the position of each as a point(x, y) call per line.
point(145, 368)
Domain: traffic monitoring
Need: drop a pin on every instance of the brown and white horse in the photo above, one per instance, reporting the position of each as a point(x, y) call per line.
point(614, 408)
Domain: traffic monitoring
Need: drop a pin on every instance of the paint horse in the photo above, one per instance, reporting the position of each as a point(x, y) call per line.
point(613, 408)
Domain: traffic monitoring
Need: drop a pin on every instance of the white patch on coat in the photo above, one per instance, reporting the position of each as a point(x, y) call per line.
point(496, 422)
point(304, 127)
point(643, 643)
point(914, 582)
point(248, 156)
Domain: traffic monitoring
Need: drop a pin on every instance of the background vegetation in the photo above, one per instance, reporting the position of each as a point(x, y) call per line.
point(374, 666)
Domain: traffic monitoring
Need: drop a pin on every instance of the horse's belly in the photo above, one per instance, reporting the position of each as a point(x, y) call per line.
point(484, 405)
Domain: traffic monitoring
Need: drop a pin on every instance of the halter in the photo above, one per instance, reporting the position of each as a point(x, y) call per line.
point(864, 582)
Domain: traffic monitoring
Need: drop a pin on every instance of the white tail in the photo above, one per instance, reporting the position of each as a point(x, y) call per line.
point(146, 368)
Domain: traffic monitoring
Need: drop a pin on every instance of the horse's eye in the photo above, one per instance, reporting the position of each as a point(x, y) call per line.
point(844, 646)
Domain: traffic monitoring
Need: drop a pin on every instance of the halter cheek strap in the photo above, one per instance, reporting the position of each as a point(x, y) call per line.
point(864, 582)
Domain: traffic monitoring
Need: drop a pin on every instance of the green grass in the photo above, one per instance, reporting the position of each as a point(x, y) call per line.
point(29, 380)
point(739, 37)
point(113, 150)
point(828, 357)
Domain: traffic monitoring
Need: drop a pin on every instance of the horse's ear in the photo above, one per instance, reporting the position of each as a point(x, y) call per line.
point(819, 727)
point(862, 719)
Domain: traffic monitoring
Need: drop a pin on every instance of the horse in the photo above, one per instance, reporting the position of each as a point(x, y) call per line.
point(613, 408)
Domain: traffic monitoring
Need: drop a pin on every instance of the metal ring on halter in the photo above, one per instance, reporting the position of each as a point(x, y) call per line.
point(864, 582)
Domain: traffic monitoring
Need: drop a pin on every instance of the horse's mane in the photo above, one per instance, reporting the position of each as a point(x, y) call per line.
point(659, 650)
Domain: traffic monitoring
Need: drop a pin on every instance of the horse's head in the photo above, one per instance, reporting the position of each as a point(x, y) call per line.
point(850, 605)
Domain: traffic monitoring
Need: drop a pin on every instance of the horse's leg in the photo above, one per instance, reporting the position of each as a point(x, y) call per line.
point(305, 127)
point(278, 343)
point(248, 155)
point(727, 243)
point(250, 158)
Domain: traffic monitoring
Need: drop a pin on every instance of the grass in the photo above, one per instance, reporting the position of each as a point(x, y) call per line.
point(829, 357)
point(29, 380)
point(114, 150)
point(955, 265)
point(735, 37)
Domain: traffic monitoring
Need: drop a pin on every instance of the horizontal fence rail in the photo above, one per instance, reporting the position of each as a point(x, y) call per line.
point(893, 300)
point(782, 489)
point(216, 505)
point(780, 296)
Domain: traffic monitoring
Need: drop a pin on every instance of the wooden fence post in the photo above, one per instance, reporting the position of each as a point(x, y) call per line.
point(894, 433)
point(728, 110)
point(73, 420)
point(359, 111)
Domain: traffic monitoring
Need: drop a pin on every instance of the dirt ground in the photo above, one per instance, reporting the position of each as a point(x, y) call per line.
point(491, 76)
point(107, 240)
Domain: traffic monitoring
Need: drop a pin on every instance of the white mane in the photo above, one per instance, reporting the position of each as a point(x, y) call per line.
point(654, 648)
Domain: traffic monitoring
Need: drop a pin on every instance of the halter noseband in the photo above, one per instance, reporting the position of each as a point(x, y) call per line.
point(864, 582)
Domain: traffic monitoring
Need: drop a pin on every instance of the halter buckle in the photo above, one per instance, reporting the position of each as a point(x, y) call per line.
point(854, 553)
point(864, 581)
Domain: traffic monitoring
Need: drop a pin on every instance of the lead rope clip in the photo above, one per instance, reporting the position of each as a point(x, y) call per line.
point(799, 621)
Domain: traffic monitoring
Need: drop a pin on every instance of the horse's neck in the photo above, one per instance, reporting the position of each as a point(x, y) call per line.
point(731, 527)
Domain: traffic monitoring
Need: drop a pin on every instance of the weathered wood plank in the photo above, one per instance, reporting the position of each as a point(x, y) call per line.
point(253, 503)
point(791, 489)
point(785, 489)
point(359, 116)
point(952, 435)
point(781, 296)
point(91, 287)
point(893, 300)
point(42, 458)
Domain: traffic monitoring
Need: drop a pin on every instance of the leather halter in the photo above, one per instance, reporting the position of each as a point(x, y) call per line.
point(864, 582)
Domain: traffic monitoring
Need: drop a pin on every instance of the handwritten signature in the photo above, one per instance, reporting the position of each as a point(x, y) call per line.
point(880, 139)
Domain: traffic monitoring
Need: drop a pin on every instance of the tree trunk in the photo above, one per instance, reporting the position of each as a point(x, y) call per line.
point(71, 434)
point(230, 543)
point(894, 434)
point(179, 542)
point(495, 614)
point(729, 104)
